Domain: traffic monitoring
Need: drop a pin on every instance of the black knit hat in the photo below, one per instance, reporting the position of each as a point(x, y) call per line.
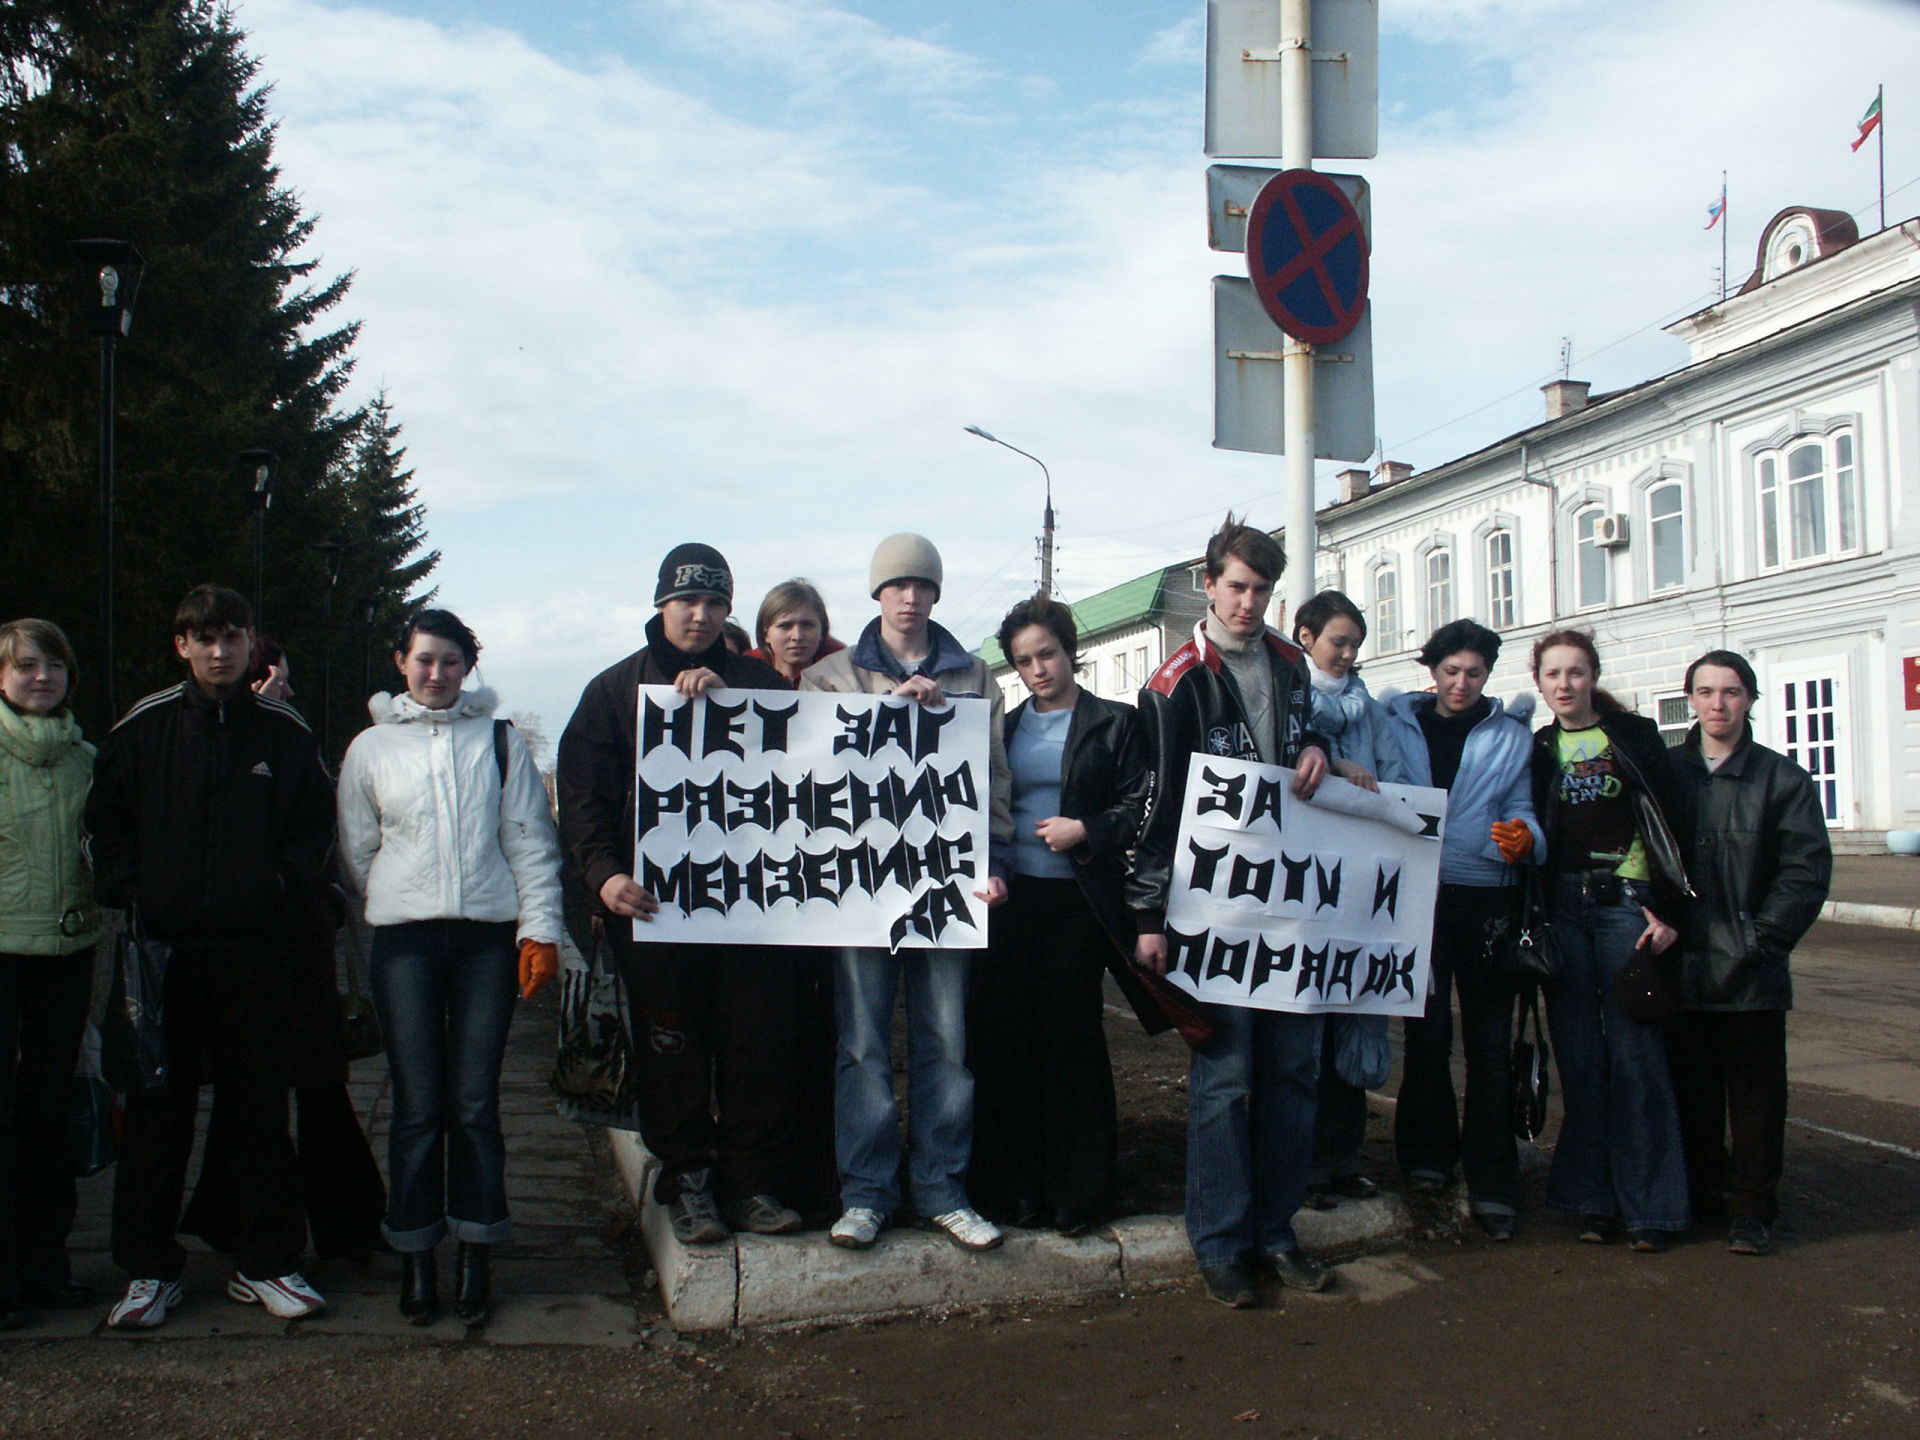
point(694, 569)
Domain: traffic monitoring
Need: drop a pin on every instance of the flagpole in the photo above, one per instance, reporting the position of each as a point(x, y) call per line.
point(1723, 235)
point(1880, 100)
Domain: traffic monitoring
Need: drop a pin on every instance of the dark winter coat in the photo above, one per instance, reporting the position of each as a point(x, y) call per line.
point(214, 816)
point(595, 774)
point(1761, 863)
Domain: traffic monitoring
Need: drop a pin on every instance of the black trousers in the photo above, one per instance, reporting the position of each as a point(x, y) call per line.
point(343, 1194)
point(1730, 1079)
point(1428, 1131)
point(716, 1028)
point(43, 1013)
point(1340, 1128)
point(1044, 1124)
point(227, 1024)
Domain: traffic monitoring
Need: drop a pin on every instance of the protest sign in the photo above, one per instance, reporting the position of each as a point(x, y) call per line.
point(1283, 904)
point(772, 818)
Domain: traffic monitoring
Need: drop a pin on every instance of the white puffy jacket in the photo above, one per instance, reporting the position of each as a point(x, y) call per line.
point(426, 830)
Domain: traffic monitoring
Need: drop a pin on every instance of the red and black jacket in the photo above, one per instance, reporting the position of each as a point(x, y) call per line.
point(1190, 704)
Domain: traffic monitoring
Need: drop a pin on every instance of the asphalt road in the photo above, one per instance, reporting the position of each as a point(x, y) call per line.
point(1446, 1337)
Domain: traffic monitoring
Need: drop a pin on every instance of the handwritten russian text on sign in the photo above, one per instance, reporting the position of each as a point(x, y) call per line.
point(1283, 904)
point(769, 818)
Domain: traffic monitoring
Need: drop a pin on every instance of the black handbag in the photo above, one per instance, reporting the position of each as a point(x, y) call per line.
point(1520, 944)
point(1530, 1057)
point(360, 1034)
point(1646, 990)
point(133, 1032)
point(595, 1074)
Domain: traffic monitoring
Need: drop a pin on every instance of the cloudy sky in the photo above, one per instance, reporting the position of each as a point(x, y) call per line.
point(634, 272)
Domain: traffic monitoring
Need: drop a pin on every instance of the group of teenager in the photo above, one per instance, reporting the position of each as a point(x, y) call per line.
point(766, 1073)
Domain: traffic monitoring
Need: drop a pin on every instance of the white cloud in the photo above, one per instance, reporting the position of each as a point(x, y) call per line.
point(614, 312)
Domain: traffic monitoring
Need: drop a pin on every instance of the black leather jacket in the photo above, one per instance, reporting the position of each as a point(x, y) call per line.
point(1762, 863)
point(1647, 768)
point(1192, 704)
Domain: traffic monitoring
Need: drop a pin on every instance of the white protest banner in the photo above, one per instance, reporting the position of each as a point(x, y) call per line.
point(1283, 904)
point(772, 818)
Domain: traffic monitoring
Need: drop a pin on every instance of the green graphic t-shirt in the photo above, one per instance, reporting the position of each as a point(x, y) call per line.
point(1597, 824)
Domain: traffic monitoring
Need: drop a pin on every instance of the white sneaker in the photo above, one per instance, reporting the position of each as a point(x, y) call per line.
point(286, 1297)
point(146, 1305)
point(968, 1229)
point(857, 1229)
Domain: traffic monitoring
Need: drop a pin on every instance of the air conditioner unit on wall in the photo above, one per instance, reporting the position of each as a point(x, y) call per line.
point(1610, 531)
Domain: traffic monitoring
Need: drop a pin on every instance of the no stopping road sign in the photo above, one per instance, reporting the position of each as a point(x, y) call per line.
point(1307, 256)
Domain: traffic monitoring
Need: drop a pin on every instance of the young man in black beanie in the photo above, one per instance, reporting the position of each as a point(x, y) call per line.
point(712, 1024)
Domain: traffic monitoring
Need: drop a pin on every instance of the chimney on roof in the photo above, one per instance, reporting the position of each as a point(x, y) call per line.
point(1392, 472)
point(1564, 397)
point(1353, 484)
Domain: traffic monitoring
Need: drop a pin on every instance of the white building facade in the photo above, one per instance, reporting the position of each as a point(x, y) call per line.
point(1764, 498)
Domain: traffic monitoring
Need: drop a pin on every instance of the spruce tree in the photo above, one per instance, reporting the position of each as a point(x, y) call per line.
point(144, 120)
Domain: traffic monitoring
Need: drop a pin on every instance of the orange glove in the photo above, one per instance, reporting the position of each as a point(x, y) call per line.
point(539, 963)
point(1514, 839)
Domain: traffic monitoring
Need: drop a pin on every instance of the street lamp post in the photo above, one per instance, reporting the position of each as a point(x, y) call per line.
point(1046, 532)
point(333, 550)
point(114, 268)
point(369, 610)
point(257, 466)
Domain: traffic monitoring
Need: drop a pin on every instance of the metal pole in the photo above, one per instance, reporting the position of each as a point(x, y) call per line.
point(1296, 153)
point(1046, 519)
point(259, 564)
point(1880, 99)
point(1725, 223)
point(106, 529)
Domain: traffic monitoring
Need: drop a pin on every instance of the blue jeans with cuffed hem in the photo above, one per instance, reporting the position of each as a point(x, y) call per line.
point(1619, 1152)
point(445, 991)
point(939, 1085)
point(1253, 1091)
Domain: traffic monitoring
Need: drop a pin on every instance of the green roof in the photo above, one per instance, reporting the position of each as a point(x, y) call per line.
point(1127, 603)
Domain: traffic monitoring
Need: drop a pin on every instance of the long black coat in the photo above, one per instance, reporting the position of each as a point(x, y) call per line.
point(1761, 864)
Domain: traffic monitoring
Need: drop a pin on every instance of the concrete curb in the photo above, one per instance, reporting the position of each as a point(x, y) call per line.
point(784, 1279)
point(1851, 912)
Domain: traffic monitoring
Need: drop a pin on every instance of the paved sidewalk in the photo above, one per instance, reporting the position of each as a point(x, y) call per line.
point(1881, 890)
point(561, 1280)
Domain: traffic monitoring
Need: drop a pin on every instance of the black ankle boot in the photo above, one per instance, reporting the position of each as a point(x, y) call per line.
point(419, 1289)
point(473, 1283)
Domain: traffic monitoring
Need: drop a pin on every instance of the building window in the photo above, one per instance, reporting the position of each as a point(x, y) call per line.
point(1675, 718)
point(1502, 608)
point(1139, 667)
point(1439, 586)
point(1590, 570)
point(1666, 530)
point(1386, 607)
point(1809, 499)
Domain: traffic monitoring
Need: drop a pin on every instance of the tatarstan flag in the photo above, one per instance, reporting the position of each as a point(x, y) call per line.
point(1869, 123)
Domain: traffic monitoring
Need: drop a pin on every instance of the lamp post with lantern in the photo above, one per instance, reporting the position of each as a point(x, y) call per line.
point(113, 269)
point(257, 467)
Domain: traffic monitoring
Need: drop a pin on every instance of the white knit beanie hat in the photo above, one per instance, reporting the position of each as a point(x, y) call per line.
point(905, 556)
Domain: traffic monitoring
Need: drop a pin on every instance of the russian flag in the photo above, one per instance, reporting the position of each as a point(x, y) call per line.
point(1716, 210)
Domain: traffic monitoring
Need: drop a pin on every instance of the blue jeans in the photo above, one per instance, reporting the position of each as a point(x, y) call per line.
point(1619, 1153)
point(1252, 1094)
point(939, 1085)
point(445, 991)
